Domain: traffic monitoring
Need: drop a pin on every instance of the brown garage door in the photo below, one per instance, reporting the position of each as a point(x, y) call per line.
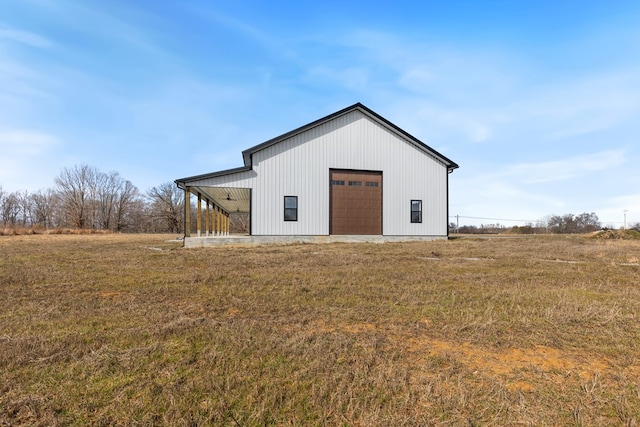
point(356, 202)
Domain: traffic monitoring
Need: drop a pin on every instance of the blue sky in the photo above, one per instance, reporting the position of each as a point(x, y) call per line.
point(537, 101)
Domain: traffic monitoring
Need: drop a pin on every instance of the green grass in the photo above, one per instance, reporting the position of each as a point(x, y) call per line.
point(134, 330)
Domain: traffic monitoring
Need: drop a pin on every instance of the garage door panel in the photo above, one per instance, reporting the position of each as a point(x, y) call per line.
point(356, 206)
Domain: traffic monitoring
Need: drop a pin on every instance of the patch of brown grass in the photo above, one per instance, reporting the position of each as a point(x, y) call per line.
point(132, 329)
point(617, 234)
point(26, 231)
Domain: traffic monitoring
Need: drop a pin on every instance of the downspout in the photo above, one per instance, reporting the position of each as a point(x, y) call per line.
point(187, 212)
point(447, 219)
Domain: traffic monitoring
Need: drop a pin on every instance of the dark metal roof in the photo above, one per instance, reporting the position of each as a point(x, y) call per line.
point(182, 181)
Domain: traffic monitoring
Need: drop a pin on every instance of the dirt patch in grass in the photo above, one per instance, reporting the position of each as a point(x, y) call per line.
point(133, 329)
point(509, 361)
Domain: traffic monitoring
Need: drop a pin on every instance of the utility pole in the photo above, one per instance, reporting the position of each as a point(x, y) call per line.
point(625, 218)
point(457, 223)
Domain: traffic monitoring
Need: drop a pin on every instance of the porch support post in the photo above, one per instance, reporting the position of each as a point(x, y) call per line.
point(214, 218)
point(206, 219)
point(199, 216)
point(224, 223)
point(218, 221)
point(213, 210)
point(187, 212)
point(214, 215)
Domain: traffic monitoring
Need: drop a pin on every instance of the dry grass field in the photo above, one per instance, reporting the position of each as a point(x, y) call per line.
point(134, 330)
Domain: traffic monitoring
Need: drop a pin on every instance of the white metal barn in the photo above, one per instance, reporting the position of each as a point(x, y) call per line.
point(352, 173)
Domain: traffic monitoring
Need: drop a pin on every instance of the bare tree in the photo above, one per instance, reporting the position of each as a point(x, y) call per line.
point(24, 203)
point(105, 190)
point(10, 209)
point(587, 222)
point(239, 223)
point(127, 200)
point(2, 196)
point(75, 190)
point(43, 207)
point(569, 223)
point(167, 206)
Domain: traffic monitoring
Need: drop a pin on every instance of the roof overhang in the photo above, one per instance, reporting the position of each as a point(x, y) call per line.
point(230, 199)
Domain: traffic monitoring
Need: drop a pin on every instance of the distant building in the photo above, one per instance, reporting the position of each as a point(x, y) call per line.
point(350, 173)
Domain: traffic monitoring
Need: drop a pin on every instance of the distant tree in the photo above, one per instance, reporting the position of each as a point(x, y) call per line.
point(239, 223)
point(468, 229)
point(43, 208)
point(560, 223)
point(568, 223)
point(166, 206)
point(115, 198)
point(525, 229)
point(10, 207)
point(76, 187)
point(104, 192)
point(587, 222)
point(127, 202)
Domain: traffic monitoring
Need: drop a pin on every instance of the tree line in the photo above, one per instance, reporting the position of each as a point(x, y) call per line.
point(86, 198)
point(552, 224)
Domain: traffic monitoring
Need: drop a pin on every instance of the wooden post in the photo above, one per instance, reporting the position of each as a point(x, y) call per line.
point(214, 212)
point(187, 212)
point(199, 215)
point(224, 224)
point(206, 220)
point(213, 215)
point(218, 212)
point(215, 220)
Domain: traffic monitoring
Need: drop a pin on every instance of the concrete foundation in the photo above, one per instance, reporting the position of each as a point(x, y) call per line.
point(198, 242)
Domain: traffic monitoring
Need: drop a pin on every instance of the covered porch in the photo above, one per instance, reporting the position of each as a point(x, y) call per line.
point(214, 208)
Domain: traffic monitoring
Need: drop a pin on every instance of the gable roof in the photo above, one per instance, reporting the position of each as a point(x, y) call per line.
point(248, 153)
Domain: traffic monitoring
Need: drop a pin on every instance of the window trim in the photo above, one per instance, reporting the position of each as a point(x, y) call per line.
point(291, 210)
point(419, 211)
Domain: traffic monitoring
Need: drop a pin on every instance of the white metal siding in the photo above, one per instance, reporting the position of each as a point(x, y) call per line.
point(299, 166)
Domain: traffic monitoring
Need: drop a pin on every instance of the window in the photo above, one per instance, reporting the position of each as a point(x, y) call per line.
point(290, 208)
point(335, 182)
point(371, 184)
point(416, 211)
point(355, 183)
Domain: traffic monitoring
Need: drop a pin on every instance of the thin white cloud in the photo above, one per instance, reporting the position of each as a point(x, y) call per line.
point(531, 191)
point(25, 37)
point(25, 143)
point(243, 28)
point(25, 159)
point(568, 168)
point(483, 93)
point(619, 207)
point(351, 78)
